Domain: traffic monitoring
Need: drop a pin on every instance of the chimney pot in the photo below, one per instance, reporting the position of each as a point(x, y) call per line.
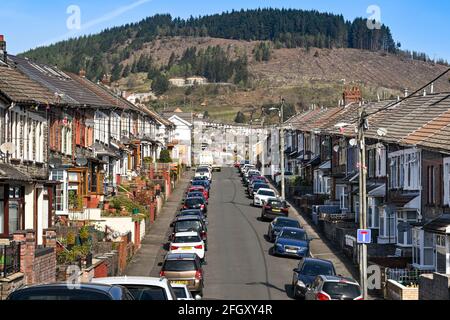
point(82, 73)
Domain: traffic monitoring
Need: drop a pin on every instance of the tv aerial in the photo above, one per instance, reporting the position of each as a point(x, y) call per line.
point(8, 148)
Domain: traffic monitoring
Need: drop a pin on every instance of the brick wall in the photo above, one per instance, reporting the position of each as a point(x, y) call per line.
point(9, 284)
point(44, 267)
point(434, 287)
point(396, 291)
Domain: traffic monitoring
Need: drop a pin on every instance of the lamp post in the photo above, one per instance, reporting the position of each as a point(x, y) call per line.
point(281, 115)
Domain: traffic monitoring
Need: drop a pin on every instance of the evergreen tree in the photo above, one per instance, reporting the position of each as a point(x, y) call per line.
point(126, 71)
point(116, 72)
point(160, 85)
point(240, 118)
point(164, 156)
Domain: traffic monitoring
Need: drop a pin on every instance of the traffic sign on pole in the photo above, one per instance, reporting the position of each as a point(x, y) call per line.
point(364, 236)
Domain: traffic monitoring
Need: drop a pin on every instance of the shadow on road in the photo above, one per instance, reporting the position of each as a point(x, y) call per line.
point(269, 285)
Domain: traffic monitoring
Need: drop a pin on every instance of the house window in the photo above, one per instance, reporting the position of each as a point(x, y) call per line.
point(371, 164)
point(404, 238)
point(380, 160)
point(446, 181)
point(341, 194)
point(374, 212)
point(58, 203)
point(431, 185)
point(387, 226)
point(412, 171)
point(423, 249)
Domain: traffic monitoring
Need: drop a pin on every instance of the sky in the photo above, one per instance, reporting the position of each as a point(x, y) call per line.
point(417, 24)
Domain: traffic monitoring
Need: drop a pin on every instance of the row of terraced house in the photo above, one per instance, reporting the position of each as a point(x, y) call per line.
point(66, 144)
point(408, 175)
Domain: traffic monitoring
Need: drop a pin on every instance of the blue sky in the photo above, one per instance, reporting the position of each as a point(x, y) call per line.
point(419, 25)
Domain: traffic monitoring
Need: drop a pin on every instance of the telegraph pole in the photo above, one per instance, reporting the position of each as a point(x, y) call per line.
point(283, 190)
point(362, 199)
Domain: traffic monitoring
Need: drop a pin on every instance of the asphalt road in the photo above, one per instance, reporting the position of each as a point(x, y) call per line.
point(239, 266)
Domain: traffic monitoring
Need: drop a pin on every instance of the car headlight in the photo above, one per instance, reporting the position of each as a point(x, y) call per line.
point(301, 284)
point(279, 245)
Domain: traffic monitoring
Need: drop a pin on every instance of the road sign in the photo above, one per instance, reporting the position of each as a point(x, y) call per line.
point(364, 236)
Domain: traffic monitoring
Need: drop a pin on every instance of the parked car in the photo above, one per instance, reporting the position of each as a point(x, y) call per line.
point(253, 189)
point(184, 268)
point(274, 208)
point(249, 174)
point(64, 292)
point(253, 179)
point(201, 189)
point(196, 203)
point(278, 224)
point(142, 288)
point(306, 272)
point(190, 223)
point(197, 194)
point(202, 183)
point(193, 212)
point(334, 288)
point(247, 167)
point(292, 242)
point(188, 242)
point(183, 293)
point(262, 196)
point(203, 172)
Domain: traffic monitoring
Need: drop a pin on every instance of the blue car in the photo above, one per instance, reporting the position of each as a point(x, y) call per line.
point(278, 224)
point(292, 242)
point(203, 183)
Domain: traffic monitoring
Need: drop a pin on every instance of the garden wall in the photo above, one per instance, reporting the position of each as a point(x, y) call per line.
point(122, 225)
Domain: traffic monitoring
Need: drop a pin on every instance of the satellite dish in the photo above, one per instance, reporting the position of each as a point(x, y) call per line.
point(8, 147)
point(353, 142)
point(81, 161)
point(382, 132)
point(55, 162)
point(336, 149)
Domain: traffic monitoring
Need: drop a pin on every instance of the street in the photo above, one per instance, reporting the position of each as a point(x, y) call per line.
point(239, 265)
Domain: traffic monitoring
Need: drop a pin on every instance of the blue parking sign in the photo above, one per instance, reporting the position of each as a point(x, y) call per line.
point(364, 236)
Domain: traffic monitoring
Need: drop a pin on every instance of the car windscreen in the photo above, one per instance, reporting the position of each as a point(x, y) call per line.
point(315, 269)
point(201, 183)
point(194, 201)
point(258, 186)
point(294, 235)
point(281, 223)
point(187, 239)
point(146, 293)
point(202, 170)
point(195, 195)
point(179, 265)
point(266, 193)
point(189, 225)
point(338, 289)
point(180, 293)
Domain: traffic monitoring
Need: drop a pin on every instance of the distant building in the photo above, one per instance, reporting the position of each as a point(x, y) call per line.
point(196, 80)
point(177, 82)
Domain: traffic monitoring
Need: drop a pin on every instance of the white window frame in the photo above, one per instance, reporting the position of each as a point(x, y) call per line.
point(446, 168)
point(386, 225)
point(373, 213)
point(402, 216)
point(419, 249)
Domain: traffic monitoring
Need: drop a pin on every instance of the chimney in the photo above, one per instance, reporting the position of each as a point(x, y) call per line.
point(406, 92)
point(3, 53)
point(432, 88)
point(424, 92)
point(82, 73)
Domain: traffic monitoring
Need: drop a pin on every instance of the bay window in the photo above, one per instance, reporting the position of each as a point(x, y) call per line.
point(404, 169)
point(387, 226)
point(404, 238)
point(374, 212)
point(423, 248)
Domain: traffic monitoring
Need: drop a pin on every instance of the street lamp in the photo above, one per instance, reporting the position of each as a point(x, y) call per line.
point(281, 115)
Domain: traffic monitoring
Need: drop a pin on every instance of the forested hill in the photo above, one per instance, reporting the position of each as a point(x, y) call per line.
point(286, 28)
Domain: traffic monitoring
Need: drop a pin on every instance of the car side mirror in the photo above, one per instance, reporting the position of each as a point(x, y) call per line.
point(160, 264)
point(198, 297)
point(295, 270)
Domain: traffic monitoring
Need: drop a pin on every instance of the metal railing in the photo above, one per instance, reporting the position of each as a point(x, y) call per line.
point(405, 276)
point(9, 259)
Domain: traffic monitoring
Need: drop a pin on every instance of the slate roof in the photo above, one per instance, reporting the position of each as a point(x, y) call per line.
point(16, 87)
point(8, 172)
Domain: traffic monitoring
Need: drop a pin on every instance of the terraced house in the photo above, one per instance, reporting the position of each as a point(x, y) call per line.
point(66, 143)
point(408, 172)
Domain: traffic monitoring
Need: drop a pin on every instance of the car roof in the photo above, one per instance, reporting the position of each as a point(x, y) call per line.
point(86, 286)
point(186, 234)
point(130, 280)
point(187, 218)
point(191, 210)
point(181, 256)
point(200, 198)
point(286, 219)
point(293, 229)
point(316, 260)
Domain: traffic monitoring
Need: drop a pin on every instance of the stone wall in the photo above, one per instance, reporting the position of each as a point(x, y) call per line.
point(10, 284)
point(434, 286)
point(397, 291)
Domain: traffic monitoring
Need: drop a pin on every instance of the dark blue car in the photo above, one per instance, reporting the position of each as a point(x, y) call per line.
point(292, 242)
point(278, 224)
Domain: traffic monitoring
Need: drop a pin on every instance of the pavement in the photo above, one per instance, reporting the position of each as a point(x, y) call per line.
point(145, 261)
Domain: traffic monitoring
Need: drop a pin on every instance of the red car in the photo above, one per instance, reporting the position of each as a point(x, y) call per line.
point(199, 189)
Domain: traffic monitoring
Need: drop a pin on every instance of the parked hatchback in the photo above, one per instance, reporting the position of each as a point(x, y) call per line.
point(278, 224)
point(307, 271)
point(195, 203)
point(184, 268)
point(142, 288)
point(292, 242)
point(274, 208)
point(188, 242)
point(190, 223)
point(334, 288)
point(63, 292)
